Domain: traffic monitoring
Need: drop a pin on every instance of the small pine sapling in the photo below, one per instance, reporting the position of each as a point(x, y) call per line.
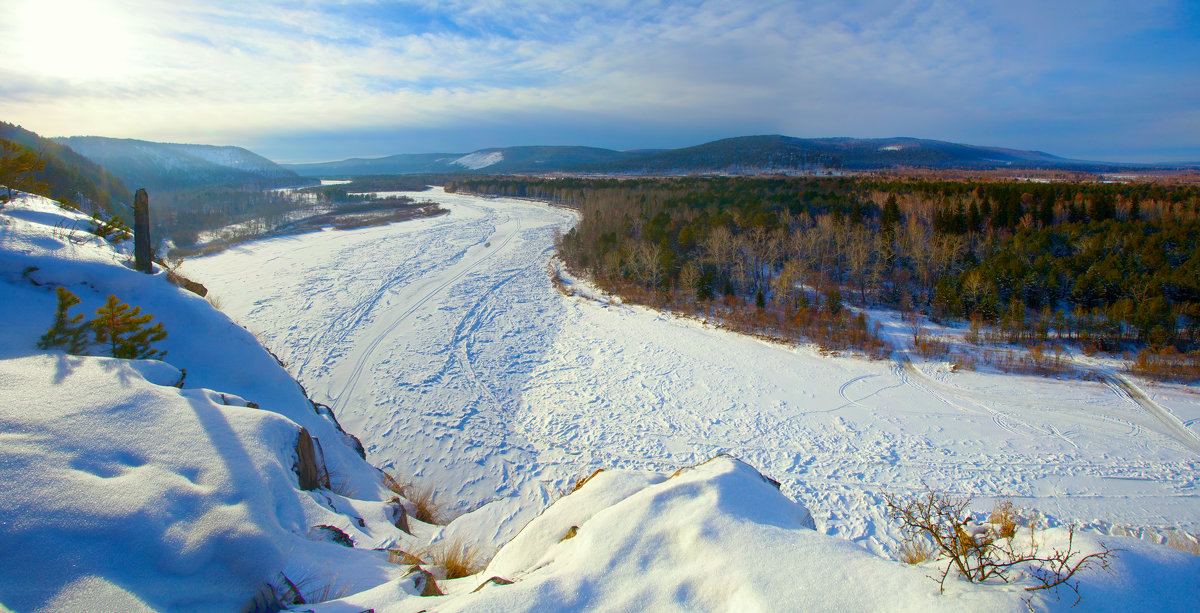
point(68, 333)
point(114, 229)
point(127, 332)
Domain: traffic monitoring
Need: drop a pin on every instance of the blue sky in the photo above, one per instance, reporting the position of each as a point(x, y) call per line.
point(311, 80)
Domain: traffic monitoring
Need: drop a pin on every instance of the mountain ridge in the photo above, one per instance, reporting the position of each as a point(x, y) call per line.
point(759, 154)
point(170, 166)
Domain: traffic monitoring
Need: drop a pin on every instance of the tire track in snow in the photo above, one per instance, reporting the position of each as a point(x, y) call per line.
point(1174, 427)
point(365, 356)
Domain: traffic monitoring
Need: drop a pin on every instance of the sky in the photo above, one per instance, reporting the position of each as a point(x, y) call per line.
point(317, 80)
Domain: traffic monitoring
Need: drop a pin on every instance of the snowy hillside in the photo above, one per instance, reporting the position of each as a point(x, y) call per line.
point(172, 166)
point(133, 485)
point(479, 159)
point(146, 485)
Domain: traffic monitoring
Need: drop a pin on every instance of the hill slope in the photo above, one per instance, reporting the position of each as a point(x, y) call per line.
point(740, 155)
point(750, 154)
point(69, 176)
point(170, 166)
point(496, 160)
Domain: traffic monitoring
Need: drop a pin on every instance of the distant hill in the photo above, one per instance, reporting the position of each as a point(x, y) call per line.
point(493, 161)
point(740, 155)
point(171, 166)
point(756, 154)
point(69, 176)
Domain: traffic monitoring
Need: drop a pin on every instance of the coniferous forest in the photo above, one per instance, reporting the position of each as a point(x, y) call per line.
point(1102, 266)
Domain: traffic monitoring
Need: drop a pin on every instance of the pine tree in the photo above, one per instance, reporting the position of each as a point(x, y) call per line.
point(17, 166)
point(67, 333)
point(126, 331)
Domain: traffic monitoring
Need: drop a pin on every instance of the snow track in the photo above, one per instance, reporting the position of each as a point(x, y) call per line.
point(443, 345)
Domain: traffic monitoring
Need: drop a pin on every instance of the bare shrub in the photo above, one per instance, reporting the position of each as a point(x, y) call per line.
point(979, 552)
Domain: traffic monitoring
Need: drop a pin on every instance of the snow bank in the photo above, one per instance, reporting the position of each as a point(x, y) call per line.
point(122, 491)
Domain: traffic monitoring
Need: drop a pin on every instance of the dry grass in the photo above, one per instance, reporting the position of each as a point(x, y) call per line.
point(1183, 542)
point(392, 484)
point(309, 588)
point(403, 558)
point(1004, 519)
point(422, 497)
point(425, 501)
point(916, 550)
point(579, 484)
point(459, 558)
point(215, 301)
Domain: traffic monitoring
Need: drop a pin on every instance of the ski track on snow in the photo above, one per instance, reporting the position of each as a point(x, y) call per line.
point(460, 363)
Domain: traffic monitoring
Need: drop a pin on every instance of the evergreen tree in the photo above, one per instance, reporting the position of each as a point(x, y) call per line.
point(126, 331)
point(68, 333)
point(17, 167)
point(891, 214)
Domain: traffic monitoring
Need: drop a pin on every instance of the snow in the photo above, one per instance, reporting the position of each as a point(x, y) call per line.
point(461, 361)
point(124, 492)
point(720, 537)
point(479, 159)
point(443, 345)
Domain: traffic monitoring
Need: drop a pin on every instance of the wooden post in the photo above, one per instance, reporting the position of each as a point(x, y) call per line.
point(141, 232)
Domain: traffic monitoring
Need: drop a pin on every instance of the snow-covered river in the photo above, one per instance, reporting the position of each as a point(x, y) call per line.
point(442, 344)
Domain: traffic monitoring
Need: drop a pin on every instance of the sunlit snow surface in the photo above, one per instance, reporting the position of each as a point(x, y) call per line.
point(442, 344)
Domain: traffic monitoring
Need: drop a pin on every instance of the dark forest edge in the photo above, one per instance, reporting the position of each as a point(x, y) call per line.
point(1099, 266)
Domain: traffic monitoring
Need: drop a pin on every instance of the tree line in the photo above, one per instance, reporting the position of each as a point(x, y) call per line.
point(1106, 265)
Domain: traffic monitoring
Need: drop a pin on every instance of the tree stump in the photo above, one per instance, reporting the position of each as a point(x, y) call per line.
point(141, 232)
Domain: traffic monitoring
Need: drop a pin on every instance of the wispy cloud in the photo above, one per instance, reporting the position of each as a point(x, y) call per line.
point(634, 73)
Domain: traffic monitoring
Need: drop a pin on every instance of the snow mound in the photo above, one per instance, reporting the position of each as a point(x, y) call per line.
point(479, 159)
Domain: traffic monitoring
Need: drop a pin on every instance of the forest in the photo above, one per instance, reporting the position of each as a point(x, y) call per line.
point(1102, 266)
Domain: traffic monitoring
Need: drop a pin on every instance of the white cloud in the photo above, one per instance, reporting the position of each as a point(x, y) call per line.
point(227, 70)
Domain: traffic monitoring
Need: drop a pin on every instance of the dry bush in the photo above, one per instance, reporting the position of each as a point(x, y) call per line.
point(215, 301)
point(459, 558)
point(1166, 364)
point(979, 552)
point(1183, 542)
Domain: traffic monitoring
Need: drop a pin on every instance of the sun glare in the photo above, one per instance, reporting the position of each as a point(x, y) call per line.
point(76, 39)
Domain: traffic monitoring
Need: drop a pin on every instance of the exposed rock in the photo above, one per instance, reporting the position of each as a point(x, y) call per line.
point(306, 462)
point(334, 534)
point(492, 581)
point(571, 532)
point(398, 514)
